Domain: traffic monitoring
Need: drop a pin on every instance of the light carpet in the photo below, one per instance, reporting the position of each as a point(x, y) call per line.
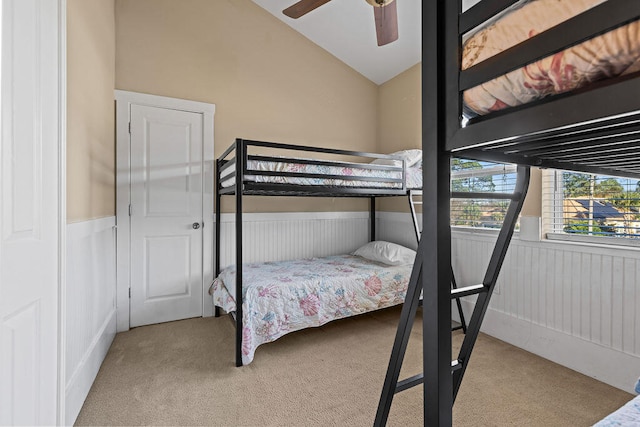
point(183, 373)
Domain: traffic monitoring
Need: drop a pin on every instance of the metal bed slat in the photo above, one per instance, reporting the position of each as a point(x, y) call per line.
point(530, 148)
point(554, 163)
point(568, 149)
point(620, 126)
point(604, 153)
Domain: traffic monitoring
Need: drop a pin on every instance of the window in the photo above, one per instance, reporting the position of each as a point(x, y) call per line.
point(485, 177)
point(594, 206)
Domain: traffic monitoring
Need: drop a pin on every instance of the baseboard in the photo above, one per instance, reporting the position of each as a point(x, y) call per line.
point(82, 379)
point(583, 356)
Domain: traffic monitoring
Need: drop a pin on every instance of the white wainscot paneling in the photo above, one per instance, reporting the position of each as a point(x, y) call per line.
point(284, 236)
point(577, 305)
point(90, 306)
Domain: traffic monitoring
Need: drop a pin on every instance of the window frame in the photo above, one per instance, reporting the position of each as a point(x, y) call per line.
point(552, 198)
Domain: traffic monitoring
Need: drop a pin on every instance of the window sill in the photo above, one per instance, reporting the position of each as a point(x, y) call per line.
point(607, 242)
point(478, 230)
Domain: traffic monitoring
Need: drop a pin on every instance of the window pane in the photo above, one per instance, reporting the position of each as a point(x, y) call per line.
point(482, 177)
point(597, 205)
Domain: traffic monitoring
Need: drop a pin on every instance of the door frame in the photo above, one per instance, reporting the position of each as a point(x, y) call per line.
point(124, 100)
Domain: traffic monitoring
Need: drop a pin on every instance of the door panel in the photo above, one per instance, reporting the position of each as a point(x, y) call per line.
point(166, 202)
point(30, 213)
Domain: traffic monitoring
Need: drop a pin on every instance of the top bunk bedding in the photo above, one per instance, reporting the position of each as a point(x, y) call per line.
point(306, 172)
point(545, 83)
point(612, 54)
point(331, 172)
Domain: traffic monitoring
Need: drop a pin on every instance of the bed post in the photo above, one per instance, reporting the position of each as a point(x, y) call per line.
point(217, 231)
point(240, 154)
point(436, 258)
point(372, 218)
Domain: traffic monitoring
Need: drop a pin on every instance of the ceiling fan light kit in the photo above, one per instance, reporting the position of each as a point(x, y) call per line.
point(384, 11)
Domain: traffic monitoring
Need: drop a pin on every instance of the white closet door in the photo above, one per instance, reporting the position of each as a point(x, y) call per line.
point(166, 214)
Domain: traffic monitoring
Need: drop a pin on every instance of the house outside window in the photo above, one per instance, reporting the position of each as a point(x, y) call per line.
point(479, 176)
point(591, 208)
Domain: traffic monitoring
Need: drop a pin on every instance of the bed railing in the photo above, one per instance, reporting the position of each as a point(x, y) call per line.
point(236, 164)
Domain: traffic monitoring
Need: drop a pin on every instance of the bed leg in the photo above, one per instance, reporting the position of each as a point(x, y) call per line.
point(216, 311)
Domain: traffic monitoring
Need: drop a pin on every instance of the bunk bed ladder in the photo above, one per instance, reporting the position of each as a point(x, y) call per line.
point(412, 195)
point(483, 290)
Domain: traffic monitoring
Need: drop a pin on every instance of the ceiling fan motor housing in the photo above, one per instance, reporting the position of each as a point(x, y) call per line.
point(379, 3)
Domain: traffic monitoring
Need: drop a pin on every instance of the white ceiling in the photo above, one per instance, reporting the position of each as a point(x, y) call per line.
point(345, 28)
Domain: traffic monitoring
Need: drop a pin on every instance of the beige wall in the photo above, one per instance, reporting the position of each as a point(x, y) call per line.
point(400, 112)
point(400, 127)
point(267, 81)
point(90, 109)
point(400, 121)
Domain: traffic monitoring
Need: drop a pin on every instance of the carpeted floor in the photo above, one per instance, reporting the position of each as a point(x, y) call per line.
point(183, 373)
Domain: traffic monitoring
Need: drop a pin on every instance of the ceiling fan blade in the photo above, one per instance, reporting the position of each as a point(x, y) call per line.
point(386, 23)
point(303, 7)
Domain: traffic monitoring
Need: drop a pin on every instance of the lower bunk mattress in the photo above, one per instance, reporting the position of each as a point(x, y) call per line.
point(286, 296)
point(627, 415)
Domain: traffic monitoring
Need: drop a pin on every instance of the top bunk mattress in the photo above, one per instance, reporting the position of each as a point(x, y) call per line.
point(309, 173)
point(612, 54)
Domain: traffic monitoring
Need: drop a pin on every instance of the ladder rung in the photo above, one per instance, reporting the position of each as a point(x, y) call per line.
point(409, 382)
point(467, 290)
point(419, 379)
point(417, 203)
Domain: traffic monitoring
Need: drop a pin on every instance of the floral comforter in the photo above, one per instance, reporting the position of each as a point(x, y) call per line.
point(286, 296)
point(611, 54)
point(413, 177)
point(627, 415)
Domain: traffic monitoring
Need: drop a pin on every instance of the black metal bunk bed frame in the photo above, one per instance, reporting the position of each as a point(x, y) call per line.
point(238, 156)
point(594, 130)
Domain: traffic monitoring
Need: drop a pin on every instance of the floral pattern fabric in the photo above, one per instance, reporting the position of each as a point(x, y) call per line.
point(628, 415)
point(286, 296)
point(413, 177)
point(614, 53)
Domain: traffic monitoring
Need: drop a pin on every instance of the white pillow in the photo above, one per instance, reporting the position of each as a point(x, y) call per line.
point(412, 157)
point(386, 253)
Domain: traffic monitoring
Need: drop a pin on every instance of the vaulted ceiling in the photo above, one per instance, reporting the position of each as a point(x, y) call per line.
point(346, 29)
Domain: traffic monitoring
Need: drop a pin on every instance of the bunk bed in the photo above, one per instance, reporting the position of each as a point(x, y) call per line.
point(374, 277)
point(592, 127)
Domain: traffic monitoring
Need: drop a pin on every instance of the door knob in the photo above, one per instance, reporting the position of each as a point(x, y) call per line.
point(196, 225)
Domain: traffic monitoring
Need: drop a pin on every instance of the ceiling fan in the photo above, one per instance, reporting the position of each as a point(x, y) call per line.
point(384, 11)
